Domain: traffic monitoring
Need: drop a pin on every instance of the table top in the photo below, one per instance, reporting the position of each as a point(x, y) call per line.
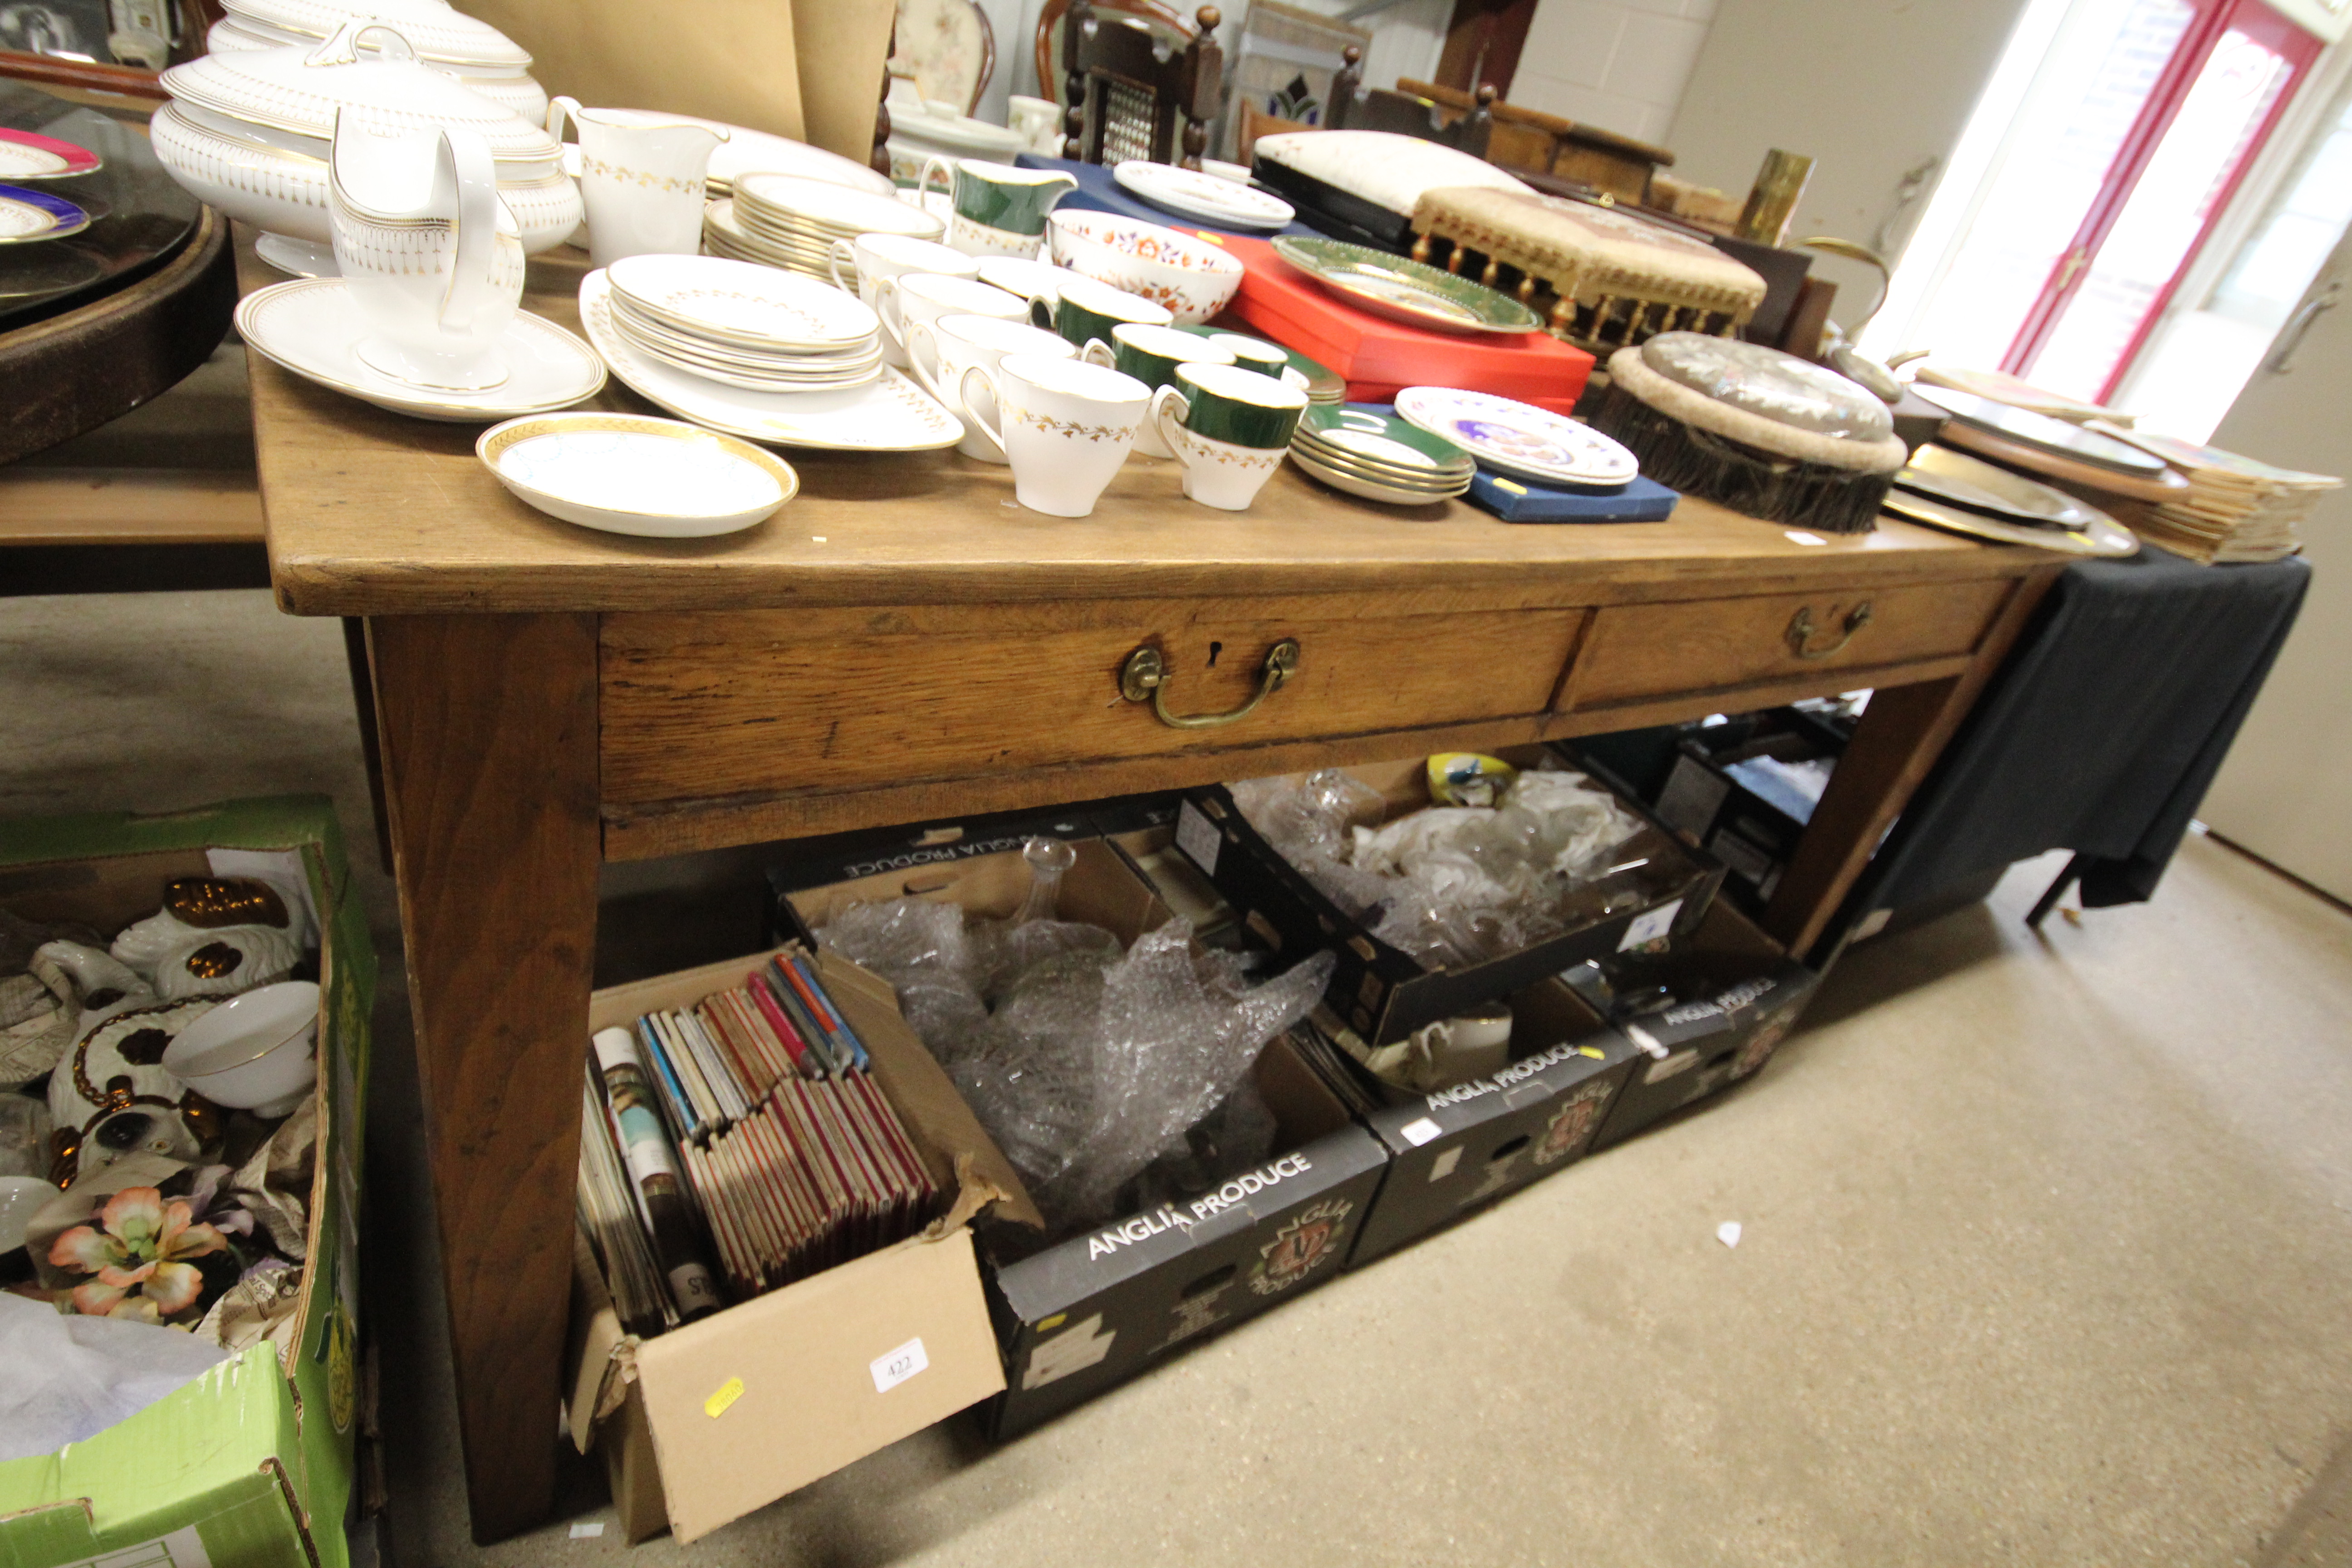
point(369, 512)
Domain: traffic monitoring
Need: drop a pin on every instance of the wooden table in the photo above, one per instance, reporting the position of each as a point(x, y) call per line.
point(903, 642)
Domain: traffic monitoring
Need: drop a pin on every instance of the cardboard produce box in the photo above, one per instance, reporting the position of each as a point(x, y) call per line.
point(1741, 995)
point(1726, 786)
point(1093, 1310)
point(703, 1424)
point(1460, 1147)
point(1385, 994)
point(251, 1464)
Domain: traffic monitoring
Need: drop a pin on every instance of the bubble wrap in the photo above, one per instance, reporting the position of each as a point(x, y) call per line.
point(1085, 1065)
point(1456, 885)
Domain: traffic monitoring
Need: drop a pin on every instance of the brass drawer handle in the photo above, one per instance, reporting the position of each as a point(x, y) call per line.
point(1800, 634)
point(1145, 676)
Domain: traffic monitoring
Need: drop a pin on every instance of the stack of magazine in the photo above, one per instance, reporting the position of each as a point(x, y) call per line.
point(737, 1145)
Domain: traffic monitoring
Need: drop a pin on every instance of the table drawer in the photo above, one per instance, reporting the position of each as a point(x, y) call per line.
point(705, 706)
point(1639, 651)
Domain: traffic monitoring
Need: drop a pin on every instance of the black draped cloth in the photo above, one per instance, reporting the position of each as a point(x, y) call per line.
point(2102, 731)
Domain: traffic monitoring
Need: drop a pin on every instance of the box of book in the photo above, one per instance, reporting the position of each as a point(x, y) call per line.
point(1256, 1203)
point(1403, 963)
point(1705, 1014)
point(249, 1461)
point(776, 1185)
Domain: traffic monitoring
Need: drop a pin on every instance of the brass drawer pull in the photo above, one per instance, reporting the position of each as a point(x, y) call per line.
point(1800, 634)
point(1145, 676)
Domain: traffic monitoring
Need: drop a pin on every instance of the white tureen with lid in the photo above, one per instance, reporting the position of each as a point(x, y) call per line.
point(250, 131)
point(439, 34)
point(498, 69)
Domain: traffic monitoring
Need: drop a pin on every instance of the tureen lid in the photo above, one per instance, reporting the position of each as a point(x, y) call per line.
point(433, 29)
point(942, 125)
point(1768, 383)
point(298, 87)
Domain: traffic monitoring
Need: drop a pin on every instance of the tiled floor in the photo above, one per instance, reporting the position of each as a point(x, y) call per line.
point(2046, 1255)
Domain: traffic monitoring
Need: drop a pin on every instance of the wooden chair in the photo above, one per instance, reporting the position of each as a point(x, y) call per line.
point(947, 46)
point(1124, 94)
point(1408, 114)
point(1609, 163)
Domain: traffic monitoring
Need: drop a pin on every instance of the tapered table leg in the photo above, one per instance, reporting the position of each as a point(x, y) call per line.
point(1901, 735)
point(488, 733)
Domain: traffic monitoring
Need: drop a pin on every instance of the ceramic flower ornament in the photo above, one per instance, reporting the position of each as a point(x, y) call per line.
point(140, 1256)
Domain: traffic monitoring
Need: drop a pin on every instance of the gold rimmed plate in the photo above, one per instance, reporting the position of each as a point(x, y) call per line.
point(2102, 536)
point(1405, 291)
point(626, 473)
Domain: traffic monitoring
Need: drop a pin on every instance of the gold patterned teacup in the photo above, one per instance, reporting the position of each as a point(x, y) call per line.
point(1066, 424)
point(642, 183)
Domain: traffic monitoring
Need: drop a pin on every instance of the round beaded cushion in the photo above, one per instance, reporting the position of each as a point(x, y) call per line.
point(1760, 431)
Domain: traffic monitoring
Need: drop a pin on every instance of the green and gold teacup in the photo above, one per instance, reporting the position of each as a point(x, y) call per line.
point(1152, 354)
point(999, 210)
point(1088, 311)
point(1229, 427)
point(1253, 353)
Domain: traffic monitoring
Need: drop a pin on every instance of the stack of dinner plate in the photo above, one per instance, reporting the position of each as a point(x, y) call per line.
point(744, 326)
point(791, 221)
point(1379, 456)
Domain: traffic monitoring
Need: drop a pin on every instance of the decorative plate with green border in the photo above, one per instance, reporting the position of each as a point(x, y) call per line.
point(1366, 438)
point(1405, 291)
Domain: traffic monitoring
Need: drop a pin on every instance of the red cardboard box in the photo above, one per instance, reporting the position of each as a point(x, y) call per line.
point(1376, 356)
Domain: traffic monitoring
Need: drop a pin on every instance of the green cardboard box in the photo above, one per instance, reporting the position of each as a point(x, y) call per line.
point(250, 1466)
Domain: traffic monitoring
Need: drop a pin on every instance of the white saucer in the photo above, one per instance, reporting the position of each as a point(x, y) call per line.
point(624, 473)
point(889, 414)
point(1202, 197)
point(311, 328)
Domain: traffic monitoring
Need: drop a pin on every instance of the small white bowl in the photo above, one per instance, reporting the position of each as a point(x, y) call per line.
point(253, 1052)
point(21, 1197)
point(624, 473)
point(1192, 278)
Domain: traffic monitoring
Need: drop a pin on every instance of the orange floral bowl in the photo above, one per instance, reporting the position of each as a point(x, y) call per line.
point(1192, 278)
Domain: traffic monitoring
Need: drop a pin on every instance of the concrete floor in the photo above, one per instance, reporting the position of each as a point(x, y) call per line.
point(2047, 1251)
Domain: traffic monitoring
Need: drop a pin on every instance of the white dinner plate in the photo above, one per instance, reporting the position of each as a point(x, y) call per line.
point(743, 305)
point(311, 328)
point(1519, 437)
point(889, 414)
point(788, 201)
point(1205, 198)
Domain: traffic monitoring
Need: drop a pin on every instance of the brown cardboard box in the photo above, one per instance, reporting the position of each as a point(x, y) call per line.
point(741, 1407)
point(1093, 1310)
point(252, 1463)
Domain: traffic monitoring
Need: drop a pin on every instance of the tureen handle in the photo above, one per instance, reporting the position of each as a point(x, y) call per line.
point(343, 46)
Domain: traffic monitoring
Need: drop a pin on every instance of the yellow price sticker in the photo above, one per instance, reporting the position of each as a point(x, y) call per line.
point(729, 1392)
